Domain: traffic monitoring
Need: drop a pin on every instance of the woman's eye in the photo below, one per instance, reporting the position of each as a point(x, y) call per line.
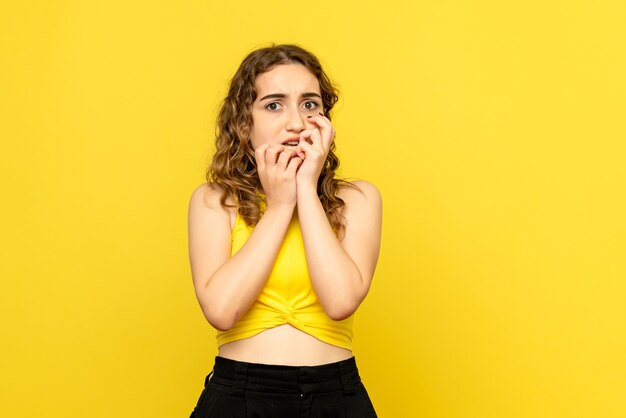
point(310, 105)
point(272, 106)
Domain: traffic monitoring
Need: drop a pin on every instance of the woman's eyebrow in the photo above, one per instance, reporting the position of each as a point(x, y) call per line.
point(282, 96)
point(273, 96)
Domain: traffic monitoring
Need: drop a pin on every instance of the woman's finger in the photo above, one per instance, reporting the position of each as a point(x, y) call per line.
point(293, 165)
point(305, 136)
point(310, 151)
point(312, 137)
point(283, 158)
point(326, 129)
point(271, 155)
point(299, 152)
point(259, 155)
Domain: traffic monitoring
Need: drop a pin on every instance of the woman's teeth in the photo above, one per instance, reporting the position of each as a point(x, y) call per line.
point(292, 145)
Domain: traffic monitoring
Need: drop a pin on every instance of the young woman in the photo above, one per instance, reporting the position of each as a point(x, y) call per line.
point(282, 253)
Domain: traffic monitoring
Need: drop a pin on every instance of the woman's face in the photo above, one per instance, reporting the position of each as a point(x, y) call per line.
point(286, 95)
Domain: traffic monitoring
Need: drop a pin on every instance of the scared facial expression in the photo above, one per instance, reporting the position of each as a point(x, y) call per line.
point(286, 95)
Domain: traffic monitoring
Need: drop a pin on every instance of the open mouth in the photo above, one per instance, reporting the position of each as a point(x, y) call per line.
point(291, 143)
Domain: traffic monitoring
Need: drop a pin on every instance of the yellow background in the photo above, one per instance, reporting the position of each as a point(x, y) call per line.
point(494, 130)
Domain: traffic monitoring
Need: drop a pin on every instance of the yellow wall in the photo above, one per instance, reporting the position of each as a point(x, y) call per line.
point(495, 131)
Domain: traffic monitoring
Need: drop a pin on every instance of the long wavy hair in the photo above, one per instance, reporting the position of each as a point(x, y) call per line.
point(233, 167)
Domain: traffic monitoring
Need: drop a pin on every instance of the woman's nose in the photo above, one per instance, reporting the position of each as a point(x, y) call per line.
point(295, 120)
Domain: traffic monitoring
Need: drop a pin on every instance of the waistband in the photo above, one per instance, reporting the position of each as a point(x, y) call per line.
point(241, 376)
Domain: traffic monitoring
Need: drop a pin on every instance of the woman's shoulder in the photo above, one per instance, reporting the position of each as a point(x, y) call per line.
point(360, 197)
point(359, 190)
point(209, 195)
point(205, 206)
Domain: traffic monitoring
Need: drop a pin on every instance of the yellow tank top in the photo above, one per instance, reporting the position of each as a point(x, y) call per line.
point(288, 296)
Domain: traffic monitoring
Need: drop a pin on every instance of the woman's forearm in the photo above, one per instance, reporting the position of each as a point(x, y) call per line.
point(232, 288)
point(334, 275)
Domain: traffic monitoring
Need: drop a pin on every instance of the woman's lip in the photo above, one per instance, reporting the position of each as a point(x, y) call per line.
point(296, 140)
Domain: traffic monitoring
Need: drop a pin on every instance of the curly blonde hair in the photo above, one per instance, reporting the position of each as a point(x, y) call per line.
point(234, 167)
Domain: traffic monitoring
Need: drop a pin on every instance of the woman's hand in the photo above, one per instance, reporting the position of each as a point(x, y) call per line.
point(277, 169)
point(313, 150)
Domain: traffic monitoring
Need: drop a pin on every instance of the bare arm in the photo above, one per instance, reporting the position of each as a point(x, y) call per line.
point(341, 271)
point(227, 286)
